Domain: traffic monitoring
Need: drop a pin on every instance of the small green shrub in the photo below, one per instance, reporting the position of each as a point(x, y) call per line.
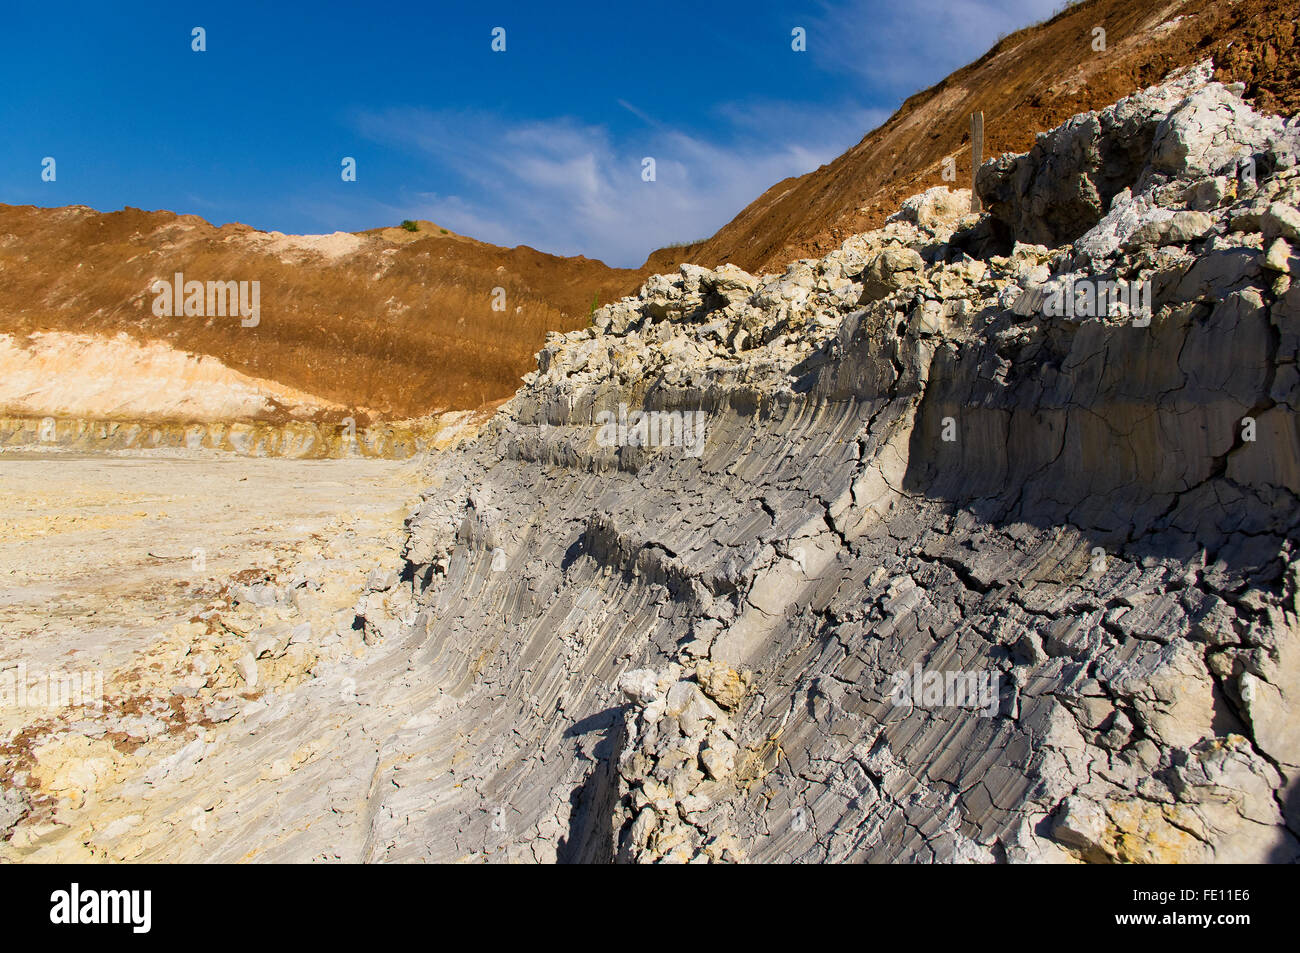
point(410, 226)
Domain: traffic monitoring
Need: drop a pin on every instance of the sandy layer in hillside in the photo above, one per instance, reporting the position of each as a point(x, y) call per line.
point(84, 375)
point(292, 248)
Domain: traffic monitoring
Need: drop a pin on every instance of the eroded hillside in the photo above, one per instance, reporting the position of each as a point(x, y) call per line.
point(379, 325)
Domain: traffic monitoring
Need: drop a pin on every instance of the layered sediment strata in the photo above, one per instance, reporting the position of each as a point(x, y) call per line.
point(911, 468)
point(334, 437)
point(92, 392)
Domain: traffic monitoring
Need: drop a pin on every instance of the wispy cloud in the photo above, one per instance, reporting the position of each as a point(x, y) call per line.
point(648, 120)
point(904, 47)
point(574, 186)
point(570, 187)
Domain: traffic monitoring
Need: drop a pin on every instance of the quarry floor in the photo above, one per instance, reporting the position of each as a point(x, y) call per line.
point(98, 551)
point(107, 562)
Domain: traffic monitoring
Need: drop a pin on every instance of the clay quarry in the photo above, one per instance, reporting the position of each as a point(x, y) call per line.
point(928, 512)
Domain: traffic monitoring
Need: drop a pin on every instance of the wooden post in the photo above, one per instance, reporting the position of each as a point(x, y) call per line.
point(976, 156)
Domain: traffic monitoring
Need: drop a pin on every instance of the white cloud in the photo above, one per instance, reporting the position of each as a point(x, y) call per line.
point(572, 187)
point(906, 47)
point(568, 187)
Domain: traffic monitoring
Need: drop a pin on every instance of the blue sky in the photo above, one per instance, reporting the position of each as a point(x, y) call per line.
point(541, 144)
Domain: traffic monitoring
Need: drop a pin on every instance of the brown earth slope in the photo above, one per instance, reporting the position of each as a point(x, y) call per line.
point(1028, 83)
point(397, 323)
